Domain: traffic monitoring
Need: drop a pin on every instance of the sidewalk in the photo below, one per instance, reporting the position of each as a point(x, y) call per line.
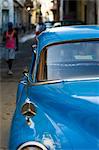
point(8, 85)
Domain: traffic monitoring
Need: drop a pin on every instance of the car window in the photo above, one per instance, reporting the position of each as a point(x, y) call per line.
point(69, 60)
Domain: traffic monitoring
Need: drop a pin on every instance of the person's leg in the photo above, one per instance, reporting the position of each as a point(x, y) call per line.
point(11, 57)
point(10, 64)
point(10, 61)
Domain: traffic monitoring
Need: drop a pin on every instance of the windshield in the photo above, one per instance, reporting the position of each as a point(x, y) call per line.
point(69, 60)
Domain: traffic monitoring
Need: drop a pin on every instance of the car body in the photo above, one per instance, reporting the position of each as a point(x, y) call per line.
point(49, 24)
point(57, 106)
point(57, 24)
point(68, 22)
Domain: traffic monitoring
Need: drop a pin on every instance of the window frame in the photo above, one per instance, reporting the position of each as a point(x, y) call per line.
point(57, 43)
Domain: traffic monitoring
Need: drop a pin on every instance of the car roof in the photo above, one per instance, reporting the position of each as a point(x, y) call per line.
point(68, 33)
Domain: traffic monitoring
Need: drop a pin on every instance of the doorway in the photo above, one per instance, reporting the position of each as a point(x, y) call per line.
point(5, 19)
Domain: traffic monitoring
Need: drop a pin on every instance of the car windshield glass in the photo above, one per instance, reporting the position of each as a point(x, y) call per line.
point(69, 60)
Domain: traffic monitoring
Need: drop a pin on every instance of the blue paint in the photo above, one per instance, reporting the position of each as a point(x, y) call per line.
point(67, 111)
point(61, 34)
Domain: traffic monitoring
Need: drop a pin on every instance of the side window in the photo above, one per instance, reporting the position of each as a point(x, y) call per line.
point(42, 66)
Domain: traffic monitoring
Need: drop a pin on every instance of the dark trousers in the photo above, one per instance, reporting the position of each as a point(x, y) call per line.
point(9, 62)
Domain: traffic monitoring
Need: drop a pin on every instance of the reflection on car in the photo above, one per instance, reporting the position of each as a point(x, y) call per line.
point(57, 104)
point(57, 24)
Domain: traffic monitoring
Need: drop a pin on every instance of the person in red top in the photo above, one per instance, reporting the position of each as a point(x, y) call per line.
point(10, 45)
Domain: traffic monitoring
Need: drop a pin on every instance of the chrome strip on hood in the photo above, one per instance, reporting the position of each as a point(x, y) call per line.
point(64, 80)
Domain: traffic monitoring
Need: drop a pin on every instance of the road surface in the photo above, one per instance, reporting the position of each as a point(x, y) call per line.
point(8, 87)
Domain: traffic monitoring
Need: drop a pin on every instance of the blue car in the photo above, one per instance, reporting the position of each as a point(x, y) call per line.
point(57, 104)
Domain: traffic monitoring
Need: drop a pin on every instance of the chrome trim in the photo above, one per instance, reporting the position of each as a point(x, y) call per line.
point(26, 74)
point(33, 111)
point(32, 143)
point(63, 80)
point(23, 82)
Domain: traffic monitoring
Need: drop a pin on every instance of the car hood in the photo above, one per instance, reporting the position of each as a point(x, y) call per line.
point(73, 107)
point(67, 116)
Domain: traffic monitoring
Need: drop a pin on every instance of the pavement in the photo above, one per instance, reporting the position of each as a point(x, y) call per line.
point(8, 87)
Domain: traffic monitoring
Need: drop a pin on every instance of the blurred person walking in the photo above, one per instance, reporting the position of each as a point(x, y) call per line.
point(10, 37)
point(40, 27)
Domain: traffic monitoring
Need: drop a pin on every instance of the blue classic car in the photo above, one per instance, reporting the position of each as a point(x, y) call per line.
point(57, 104)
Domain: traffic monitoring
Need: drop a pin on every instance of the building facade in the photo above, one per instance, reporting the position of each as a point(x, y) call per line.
point(15, 12)
point(6, 13)
point(87, 11)
point(84, 10)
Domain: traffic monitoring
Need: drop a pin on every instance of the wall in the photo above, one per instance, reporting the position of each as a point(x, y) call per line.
point(11, 11)
point(97, 8)
point(90, 12)
point(81, 10)
point(6, 13)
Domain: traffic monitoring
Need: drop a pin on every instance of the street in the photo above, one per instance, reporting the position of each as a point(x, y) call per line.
point(65, 94)
point(8, 88)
